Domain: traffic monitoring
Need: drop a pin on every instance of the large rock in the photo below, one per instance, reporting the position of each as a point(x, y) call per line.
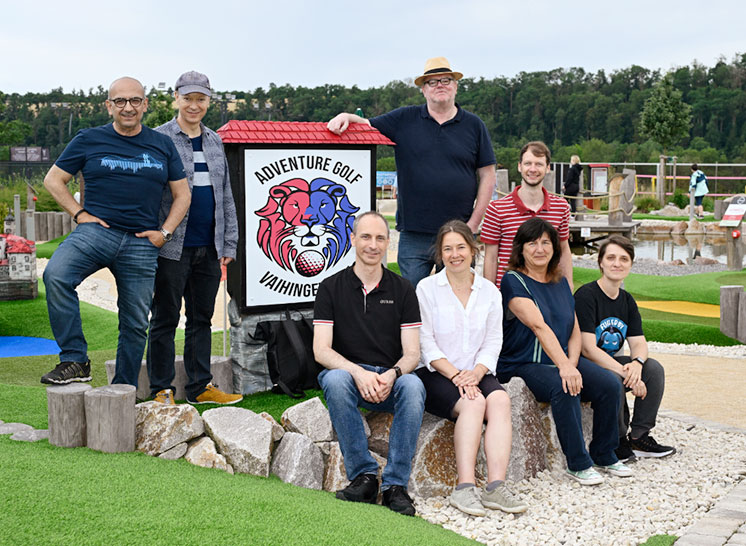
point(529, 445)
point(715, 229)
point(379, 424)
point(310, 418)
point(434, 461)
point(176, 452)
point(298, 460)
point(30, 435)
point(202, 452)
point(555, 458)
point(159, 427)
point(335, 476)
point(243, 437)
point(679, 227)
point(277, 430)
point(12, 428)
point(654, 227)
point(694, 227)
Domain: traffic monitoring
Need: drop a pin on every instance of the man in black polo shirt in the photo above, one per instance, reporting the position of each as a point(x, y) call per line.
point(444, 162)
point(366, 335)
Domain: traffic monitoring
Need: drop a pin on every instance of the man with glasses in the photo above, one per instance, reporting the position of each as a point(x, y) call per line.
point(189, 264)
point(126, 167)
point(444, 162)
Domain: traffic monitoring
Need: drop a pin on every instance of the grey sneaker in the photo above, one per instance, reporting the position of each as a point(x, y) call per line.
point(502, 498)
point(589, 476)
point(467, 501)
point(618, 469)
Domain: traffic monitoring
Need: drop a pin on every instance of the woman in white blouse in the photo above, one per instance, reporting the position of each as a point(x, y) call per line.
point(460, 342)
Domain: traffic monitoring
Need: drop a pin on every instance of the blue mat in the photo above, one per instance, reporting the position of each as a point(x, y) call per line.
point(11, 346)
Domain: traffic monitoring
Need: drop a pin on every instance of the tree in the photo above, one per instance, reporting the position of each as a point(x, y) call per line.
point(160, 109)
point(666, 119)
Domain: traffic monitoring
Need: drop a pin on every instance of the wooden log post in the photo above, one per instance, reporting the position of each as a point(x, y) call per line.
point(66, 413)
point(741, 325)
point(616, 217)
point(110, 418)
point(502, 188)
point(730, 297)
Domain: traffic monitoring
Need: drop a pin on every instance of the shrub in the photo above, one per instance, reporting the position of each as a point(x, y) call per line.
point(680, 199)
point(708, 203)
point(646, 204)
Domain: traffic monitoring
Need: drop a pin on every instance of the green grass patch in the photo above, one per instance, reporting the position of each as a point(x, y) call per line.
point(45, 250)
point(671, 218)
point(56, 495)
point(391, 220)
point(685, 332)
point(660, 540)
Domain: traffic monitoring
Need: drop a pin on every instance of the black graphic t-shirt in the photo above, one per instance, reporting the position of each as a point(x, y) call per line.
point(612, 321)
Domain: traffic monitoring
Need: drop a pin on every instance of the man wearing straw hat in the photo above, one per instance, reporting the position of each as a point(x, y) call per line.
point(189, 263)
point(444, 162)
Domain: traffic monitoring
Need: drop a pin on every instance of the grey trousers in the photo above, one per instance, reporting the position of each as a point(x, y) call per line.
point(645, 411)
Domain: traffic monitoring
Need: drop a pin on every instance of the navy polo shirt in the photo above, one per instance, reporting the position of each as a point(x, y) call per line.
point(436, 165)
point(367, 327)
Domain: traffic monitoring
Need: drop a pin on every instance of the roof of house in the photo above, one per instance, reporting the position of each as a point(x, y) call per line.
point(298, 132)
point(17, 245)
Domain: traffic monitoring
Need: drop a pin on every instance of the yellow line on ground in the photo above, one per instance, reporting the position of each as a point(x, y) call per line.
point(683, 308)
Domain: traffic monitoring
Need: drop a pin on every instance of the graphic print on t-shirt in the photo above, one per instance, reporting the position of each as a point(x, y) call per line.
point(133, 164)
point(610, 334)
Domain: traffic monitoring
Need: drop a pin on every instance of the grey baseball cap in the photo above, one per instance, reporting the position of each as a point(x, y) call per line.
point(193, 82)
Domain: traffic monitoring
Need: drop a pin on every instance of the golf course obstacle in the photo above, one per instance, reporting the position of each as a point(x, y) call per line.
point(733, 312)
point(110, 418)
point(66, 414)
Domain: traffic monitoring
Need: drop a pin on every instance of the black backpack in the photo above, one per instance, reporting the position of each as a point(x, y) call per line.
point(290, 361)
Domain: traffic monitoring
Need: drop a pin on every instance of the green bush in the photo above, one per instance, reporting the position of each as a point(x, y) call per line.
point(708, 203)
point(680, 199)
point(646, 204)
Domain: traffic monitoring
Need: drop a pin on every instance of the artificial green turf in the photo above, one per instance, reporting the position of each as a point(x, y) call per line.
point(660, 540)
point(55, 495)
point(45, 250)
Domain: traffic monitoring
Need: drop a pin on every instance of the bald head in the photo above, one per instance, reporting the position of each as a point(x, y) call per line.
point(127, 82)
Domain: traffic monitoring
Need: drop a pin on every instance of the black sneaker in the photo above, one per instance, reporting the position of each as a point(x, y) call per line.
point(67, 372)
point(364, 488)
point(396, 499)
point(646, 446)
point(624, 452)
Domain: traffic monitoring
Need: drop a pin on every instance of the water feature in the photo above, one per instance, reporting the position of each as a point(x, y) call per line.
point(665, 247)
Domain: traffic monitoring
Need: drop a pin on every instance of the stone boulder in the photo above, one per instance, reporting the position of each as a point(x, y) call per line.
point(555, 458)
point(244, 438)
point(679, 227)
point(434, 462)
point(176, 452)
point(670, 210)
point(694, 227)
point(715, 229)
point(12, 428)
point(202, 452)
point(529, 445)
point(32, 435)
point(701, 260)
point(335, 476)
point(297, 460)
point(277, 430)
point(310, 418)
point(379, 424)
point(159, 427)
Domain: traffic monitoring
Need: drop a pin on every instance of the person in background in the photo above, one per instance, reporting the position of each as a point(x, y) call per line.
point(572, 184)
point(542, 344)
point(460, 342)
point(698, 185)
point(608, 315)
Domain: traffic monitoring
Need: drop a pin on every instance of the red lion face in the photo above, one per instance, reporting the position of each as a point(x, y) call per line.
point(306, 227)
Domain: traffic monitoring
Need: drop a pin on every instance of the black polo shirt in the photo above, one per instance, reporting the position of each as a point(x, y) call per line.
point(436, 165)
point(367, 327)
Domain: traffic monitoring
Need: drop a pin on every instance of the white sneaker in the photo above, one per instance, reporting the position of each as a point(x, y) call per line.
point(467, 500)
point(589, 476)
point(618, 469)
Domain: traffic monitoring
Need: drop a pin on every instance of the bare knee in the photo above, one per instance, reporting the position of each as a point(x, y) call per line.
point(498, 403)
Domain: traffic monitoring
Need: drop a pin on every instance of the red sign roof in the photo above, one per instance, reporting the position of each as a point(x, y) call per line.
point(298, 132)
point(16, 244)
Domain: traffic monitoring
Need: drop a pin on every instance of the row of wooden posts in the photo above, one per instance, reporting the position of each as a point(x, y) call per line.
point(733, 312)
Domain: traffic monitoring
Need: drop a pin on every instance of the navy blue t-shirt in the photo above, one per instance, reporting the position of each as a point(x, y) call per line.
point(124, 175)
point(200, 229)
point(557, 306)
point(435, 164)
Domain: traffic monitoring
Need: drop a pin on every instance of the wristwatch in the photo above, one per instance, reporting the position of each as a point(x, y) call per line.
point(397, 369)
point(167, 235)
point(640, 360)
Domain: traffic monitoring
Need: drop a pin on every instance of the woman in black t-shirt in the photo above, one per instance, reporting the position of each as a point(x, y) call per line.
point(608, 316)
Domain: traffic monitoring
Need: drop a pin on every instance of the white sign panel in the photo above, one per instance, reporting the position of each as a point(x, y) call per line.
point(733, 215)
point(300, 207)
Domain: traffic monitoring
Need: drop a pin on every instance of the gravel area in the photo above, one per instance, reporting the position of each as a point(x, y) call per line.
point(648, 266)
point(662, 497)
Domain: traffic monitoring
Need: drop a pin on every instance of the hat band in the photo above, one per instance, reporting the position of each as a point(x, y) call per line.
point(438, 70)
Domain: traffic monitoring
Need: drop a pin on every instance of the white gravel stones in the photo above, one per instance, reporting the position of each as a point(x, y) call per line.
point(662, 497)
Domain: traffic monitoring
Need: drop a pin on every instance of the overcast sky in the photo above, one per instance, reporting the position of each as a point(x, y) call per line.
point(243, 44)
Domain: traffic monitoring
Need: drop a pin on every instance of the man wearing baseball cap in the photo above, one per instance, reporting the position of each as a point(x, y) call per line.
point(444, 163)
point(189, 263)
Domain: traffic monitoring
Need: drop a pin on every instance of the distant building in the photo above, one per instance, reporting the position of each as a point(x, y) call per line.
point(18, 279)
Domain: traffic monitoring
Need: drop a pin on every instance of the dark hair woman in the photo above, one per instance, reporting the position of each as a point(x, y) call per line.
point(542, 346)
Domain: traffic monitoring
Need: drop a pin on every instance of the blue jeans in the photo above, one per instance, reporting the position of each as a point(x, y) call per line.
point(600, 388)
point(132, 261)
point(196, 278)
point(406, 401)
point(416, 255)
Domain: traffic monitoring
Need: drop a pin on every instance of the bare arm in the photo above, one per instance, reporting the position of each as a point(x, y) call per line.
point(339, 123)
point(179, 207)
point(487, 180)
point(566, 261)
point(56, 182)
point(489, 271)
point(594, 353)
point(527, 312)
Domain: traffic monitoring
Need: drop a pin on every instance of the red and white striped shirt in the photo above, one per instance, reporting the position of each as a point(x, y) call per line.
point(504, 217)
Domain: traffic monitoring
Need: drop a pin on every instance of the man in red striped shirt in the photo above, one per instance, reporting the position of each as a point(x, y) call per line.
point(504, 216)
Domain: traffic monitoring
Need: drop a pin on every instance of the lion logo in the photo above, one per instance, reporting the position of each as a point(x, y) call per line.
point(305, 227)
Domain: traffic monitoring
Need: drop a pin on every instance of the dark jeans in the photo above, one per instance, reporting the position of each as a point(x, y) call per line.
point(646, 410)
point(196, 278)
point(600, 388)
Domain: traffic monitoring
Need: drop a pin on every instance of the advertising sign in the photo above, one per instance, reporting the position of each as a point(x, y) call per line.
point(300, 204)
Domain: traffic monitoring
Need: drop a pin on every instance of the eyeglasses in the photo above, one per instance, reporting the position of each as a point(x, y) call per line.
point(120, 102)
point(436, 81)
